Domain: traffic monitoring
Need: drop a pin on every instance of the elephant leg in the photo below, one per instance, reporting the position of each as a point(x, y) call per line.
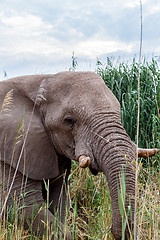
point(31, 208)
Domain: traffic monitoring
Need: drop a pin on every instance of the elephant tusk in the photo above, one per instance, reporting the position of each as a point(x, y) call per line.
point(147, 152)
point(84, 161)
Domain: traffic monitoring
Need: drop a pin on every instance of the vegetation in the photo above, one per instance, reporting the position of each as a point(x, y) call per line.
point(90, 213)
point(123, 80)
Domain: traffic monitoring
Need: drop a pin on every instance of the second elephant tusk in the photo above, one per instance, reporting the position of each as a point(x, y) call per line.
point(147, 152)
point(84, 161)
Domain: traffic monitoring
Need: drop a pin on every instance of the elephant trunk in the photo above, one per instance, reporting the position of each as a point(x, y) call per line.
point(113, 149)
point(113, 170)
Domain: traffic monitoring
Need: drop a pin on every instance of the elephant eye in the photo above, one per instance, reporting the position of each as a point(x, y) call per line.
point(69, 121)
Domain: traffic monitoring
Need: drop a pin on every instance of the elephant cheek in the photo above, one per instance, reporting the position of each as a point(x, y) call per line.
point(63, 145)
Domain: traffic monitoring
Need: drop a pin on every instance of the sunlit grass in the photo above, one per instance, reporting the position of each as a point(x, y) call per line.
point(90, 214)
point(92, 205)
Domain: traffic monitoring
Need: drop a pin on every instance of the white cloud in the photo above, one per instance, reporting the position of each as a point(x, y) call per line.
point(23, 24)
point(24, 33)
point(151, 9)
point(93, 47)
point(135, 3)
point(31, 30)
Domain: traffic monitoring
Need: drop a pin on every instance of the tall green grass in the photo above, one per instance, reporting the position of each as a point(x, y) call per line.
point(122, 79)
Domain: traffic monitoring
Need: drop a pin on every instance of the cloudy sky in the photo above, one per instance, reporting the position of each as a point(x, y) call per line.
point(39, 36)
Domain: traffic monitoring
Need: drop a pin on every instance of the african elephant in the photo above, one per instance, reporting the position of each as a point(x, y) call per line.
point(75, 117)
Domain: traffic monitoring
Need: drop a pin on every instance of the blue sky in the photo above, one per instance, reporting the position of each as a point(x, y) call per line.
point(39, 36)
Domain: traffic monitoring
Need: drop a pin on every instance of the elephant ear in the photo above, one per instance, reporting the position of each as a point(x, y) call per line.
point(39, 158)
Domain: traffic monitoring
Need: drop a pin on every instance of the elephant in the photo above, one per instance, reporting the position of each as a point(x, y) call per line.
point(72, 116)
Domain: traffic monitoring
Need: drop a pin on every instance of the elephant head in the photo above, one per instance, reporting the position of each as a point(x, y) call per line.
point(76, 117)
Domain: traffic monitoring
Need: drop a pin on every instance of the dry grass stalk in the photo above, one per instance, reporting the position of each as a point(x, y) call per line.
point(7, 103)
point(136, 186)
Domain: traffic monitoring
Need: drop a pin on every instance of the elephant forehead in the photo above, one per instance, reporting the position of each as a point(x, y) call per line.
point(80, 88)
point(66, 81)
point(90, 97)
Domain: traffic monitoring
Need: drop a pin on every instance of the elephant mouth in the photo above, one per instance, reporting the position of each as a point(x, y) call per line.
point(93, 171)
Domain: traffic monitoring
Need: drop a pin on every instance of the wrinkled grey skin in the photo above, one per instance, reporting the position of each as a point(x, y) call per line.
point(76, 114)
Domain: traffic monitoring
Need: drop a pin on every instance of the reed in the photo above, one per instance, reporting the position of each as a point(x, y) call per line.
point(122, 79)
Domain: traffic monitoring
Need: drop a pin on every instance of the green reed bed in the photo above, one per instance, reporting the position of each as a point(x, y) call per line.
point(122, 79)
